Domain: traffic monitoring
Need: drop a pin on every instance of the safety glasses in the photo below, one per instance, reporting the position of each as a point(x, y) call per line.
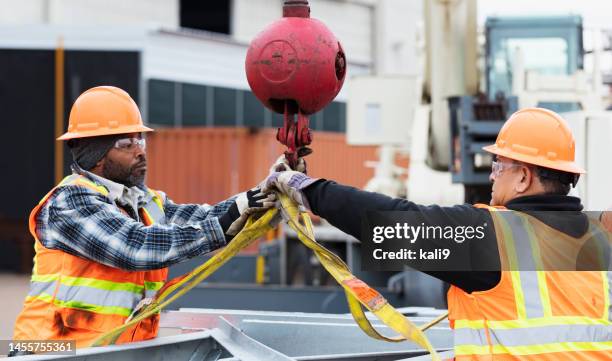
point(130, 144)
point(498, 167)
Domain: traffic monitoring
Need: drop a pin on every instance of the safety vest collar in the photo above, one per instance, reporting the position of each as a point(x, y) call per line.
point(79, 180)
point(152, 209)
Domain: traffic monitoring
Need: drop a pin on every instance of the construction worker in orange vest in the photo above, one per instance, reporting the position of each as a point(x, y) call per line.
point(103, 239)
point(522, 307)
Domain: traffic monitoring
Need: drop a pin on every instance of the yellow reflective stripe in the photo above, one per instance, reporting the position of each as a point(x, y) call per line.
point(81, 180)
point(68, 178)
point(606, 288)
point(44, 278)
point(107, 310)
point(89, 184)
point(102, 284)
point(156, 198)
point(77, 179)
point(153, 286)
point(35, 261)
point(158, 202)
point(544, 296)
point(91, 282)
point(508, 242)
point(461, 350)
point(532, 322)
point(519, 297)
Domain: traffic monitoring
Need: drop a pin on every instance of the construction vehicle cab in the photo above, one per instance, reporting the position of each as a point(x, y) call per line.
point(549, 46)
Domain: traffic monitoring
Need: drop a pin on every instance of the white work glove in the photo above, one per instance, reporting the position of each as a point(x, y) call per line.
point(253, 201)
point(290, 183)
point(281, 164)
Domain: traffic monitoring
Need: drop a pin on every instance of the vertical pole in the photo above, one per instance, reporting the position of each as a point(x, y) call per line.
point(59, 109)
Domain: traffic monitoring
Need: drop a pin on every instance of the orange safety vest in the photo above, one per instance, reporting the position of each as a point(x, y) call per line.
point(534, 315)
point(72, 298)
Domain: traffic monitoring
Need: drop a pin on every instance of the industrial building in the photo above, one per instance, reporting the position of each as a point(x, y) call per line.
point(428, 84)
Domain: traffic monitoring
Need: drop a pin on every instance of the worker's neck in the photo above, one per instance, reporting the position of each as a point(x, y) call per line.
point(97, 171)
point(536, 191)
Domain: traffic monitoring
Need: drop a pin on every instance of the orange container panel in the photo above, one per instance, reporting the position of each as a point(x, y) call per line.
point(207, 165)
point(197, 165)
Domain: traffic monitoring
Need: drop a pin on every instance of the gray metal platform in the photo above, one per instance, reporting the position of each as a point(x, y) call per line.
point(323, 299)
point(212, 334)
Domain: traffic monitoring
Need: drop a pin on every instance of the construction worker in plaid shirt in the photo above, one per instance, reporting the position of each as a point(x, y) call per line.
point(103, 239)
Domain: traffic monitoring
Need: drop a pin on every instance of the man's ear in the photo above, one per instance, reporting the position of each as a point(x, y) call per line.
point(525, 175)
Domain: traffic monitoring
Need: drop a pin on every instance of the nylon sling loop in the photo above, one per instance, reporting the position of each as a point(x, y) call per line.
point(357, 292)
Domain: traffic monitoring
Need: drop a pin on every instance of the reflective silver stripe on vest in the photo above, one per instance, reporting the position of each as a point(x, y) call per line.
point(84, 294)
point(98, 297)
point(534, 335)
point(156, 213)
point(524, 255)
point(36, 288)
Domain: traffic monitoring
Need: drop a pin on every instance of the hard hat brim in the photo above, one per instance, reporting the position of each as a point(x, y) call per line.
point(100, 132)
point(570, 167)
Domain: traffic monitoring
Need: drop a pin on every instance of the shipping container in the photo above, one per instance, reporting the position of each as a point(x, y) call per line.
point(207, 165)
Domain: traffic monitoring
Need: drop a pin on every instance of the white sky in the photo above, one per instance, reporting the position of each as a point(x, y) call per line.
point(595, 13)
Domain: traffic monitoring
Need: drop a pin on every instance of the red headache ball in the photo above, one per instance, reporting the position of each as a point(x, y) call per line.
point(295, 59)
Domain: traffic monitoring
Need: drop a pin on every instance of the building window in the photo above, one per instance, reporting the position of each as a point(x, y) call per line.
point(161, 102)
point(194, 105)
point(224, 107)
point(206, 15)
point(178, 104)
point(334, 117)
point(254, 113)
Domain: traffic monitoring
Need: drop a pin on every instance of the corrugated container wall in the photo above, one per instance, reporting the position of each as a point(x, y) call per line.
point(207, 165)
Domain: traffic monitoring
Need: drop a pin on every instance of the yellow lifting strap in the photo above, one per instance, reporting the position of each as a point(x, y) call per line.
point(357, 292)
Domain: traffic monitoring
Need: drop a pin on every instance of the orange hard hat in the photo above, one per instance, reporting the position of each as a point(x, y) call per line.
point(537, 136)
point(103, 110)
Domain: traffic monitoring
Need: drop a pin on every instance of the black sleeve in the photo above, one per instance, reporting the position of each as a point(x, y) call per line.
point(344, 207)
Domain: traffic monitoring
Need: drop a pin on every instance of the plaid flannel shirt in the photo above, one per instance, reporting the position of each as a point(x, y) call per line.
point(87, 224)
